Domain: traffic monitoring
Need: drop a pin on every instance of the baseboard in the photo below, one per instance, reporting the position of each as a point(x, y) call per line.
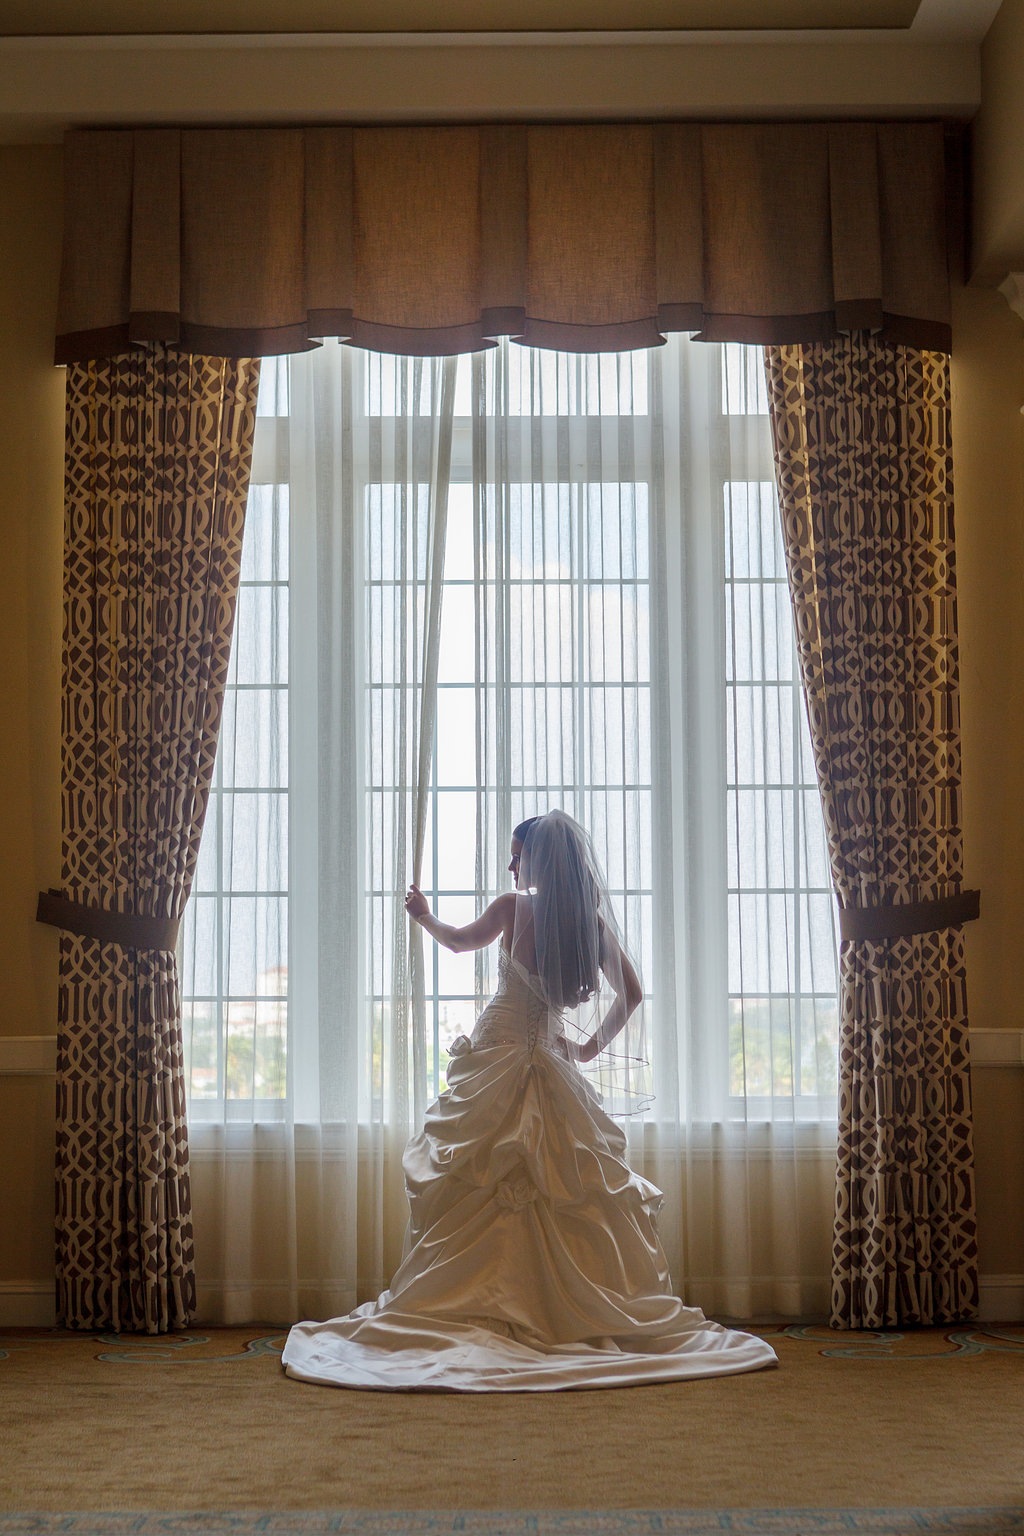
point(27, 1304)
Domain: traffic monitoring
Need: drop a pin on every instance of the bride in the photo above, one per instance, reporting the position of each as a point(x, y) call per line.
point(532, 1257)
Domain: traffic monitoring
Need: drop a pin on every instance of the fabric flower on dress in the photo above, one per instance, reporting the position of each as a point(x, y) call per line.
point(460, 1046)
point(516, 1193)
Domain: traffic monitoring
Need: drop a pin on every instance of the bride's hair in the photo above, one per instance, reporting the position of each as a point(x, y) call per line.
point(562, 872)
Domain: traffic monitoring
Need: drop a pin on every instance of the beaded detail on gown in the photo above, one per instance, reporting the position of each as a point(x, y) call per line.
point(532, 1257)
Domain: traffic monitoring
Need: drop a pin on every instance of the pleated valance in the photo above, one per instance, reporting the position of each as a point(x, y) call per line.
point(430, 240)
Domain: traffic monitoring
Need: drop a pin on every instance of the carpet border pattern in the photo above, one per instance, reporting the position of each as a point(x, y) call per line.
point(999, 1521)
point(193, 1347)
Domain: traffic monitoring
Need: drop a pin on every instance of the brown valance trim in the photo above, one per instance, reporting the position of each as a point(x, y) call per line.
point(431, 240)
point(898, 921)
point(129, 929)
point(204, 339)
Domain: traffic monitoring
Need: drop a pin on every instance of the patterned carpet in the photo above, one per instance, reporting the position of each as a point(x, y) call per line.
point(896, 1433)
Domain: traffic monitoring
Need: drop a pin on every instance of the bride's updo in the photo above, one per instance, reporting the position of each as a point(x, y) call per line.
point(559, 867)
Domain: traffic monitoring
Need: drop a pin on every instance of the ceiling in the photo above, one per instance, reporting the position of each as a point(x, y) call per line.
point(79, 17)
point(67, 63)
point(169, 17)
point(705, 20)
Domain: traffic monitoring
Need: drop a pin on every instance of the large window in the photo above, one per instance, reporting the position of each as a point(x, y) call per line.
point(615, 638)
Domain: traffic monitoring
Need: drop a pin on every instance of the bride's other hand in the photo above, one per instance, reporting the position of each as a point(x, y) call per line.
point(416, 903)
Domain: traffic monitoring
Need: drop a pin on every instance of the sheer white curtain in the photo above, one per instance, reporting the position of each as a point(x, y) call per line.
point(742, 1139)
point(608, 631)
point(635, 667)
point(299, 1111)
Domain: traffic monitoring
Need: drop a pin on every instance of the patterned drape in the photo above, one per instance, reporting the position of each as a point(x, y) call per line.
point(158, 449)
point(862, 449)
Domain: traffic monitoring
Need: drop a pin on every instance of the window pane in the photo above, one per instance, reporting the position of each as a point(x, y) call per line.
point(456, 841)
point(763, 1046)
point(753, 537)
point(456, 736)
point(619, 825)
point(256, 939)
point(397, 386)
point(816, 869)
point(259, 651)
point(201, 947)
point(458, 554)
point(209, 851)
point(540, 531)
point(253, 742)
point(744, 390)
point(255, 1064)
point(759, 632)
point(759, 734)
point(617, 644)
point(546, 383)
point(619, 735)
point(457, 655)
point(761, 837)
point(543, 638)
point(543, 736)
point(255, 842)
point(272, 399)
point(397, 529)
point(200, 1022)
point(265, 542)
point(394, 625)
point(616, 532)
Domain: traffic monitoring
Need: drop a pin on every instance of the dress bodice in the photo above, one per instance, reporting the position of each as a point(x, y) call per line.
point(517, 1014)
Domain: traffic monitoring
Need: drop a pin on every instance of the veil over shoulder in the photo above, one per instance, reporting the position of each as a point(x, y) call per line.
point(578, 962)
point(532, 1259)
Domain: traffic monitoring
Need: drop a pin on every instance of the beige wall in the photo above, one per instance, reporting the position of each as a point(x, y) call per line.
point(988, 441)
point(988, 384)
point(31, 428)
point(988, 393)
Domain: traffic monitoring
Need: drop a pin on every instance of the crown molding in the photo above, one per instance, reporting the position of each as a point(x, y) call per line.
point(202, 42)
point(49, 85)
point(923, 21)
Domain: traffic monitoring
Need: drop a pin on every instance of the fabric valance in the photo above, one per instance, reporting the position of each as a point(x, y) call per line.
point(430, 240)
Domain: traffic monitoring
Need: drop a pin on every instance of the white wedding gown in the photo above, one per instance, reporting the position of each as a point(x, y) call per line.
point(532, 1260)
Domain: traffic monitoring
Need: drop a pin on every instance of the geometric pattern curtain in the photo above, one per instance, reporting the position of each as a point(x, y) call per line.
point(158, 451)
point(862, 448)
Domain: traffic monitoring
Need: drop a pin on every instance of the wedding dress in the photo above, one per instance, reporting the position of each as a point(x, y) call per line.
point(532, 1258)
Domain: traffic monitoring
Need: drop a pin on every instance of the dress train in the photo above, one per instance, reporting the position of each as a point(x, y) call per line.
point(532, 1260)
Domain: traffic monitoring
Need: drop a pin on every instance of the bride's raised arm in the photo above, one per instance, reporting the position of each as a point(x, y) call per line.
point(496, 919)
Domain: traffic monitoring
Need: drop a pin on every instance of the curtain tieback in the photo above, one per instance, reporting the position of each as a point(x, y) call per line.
point(891, 920)
point(129, 929)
